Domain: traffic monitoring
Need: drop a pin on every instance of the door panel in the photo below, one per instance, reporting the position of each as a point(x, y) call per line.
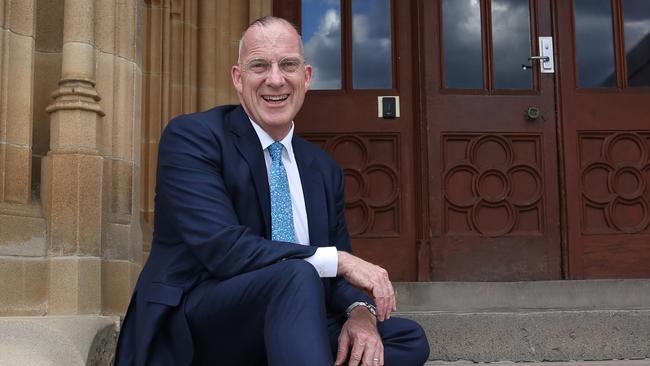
point(605, 94)
point(494, 198)
point(341, 114)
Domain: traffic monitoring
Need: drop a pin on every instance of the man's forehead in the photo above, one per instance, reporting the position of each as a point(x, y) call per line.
point(274, 36)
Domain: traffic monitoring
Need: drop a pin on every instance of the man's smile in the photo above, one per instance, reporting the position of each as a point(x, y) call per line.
point(275, 98)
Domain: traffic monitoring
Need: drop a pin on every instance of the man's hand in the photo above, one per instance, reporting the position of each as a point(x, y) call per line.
point(370, 278)
point(360, 333)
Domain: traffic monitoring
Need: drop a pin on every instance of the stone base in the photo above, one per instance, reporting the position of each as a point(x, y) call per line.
point(645, 362)
point(531, 321)
point(52, 340)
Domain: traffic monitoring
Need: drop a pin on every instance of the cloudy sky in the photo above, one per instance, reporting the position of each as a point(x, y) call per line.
point(595, 41)
point(371, 54)
point(321, 21)
point(462, 44)
point(463, 49)
point(637, 40)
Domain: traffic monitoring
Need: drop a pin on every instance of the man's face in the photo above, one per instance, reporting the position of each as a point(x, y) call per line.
point(273, 98)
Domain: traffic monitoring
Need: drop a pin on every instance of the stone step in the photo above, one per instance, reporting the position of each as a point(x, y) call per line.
point(531, 321)
point(81, 340)
point(645, 362)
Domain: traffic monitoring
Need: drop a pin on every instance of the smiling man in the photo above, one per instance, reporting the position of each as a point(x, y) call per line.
point(250, 261)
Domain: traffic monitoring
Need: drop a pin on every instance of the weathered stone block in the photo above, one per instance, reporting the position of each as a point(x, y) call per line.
point(2, 15)
point(47, 73)
point(75, 285)
point(74, 201)
point(105, 26)
point(79, 17)
point(74, 130)
point(124, 105)
point(35, 284)
point(125, 24)
point(116, 286)
point(49, 27)
point(152, 117)
point(3, 157)
point(106, 88)
point(121, 190)
point(18, 171)
point(22, 236)
point(526, 336)
point(21, 17)
point(117, 241)
point(11, 273)
point(78, 60)
point(58, 341)
point(23, 286)
point(19, 80)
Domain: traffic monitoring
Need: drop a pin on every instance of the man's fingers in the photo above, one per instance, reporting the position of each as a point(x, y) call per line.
point(356, 354)
point(379, 301)
point(344, 346)
point(369, 355)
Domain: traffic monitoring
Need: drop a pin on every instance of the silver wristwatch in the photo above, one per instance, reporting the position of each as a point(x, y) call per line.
point(371, 308)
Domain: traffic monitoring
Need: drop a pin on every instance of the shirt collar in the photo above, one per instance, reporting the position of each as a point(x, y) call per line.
point(267, 140)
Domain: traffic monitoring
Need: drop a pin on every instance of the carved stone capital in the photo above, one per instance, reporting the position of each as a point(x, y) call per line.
point(76, 94)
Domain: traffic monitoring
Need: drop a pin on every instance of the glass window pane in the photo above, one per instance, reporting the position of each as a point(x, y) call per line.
point(371, 45)
point(321, 32)
point(636, 14)
point(463, 52)
point(511, 44)
point(594, 43)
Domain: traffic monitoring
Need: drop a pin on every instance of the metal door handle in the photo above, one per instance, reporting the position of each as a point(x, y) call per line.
point(532, 113)
point(542, 58)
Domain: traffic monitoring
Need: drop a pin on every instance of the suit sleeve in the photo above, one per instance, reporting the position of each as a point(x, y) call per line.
point(343, 293)
point(191, 188)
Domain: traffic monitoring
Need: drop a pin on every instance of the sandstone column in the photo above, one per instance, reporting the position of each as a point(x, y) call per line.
point(23, 271)
point(72, 172)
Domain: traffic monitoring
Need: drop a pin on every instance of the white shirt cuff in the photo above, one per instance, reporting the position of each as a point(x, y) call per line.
point(325, 260)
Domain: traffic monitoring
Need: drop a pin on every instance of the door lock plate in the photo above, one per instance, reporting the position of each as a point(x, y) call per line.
point(546, 55)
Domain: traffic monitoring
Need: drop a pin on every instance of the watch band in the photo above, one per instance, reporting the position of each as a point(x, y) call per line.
point(371, 308)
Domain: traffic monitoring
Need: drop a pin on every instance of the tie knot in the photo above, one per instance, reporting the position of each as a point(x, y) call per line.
point(275, 150)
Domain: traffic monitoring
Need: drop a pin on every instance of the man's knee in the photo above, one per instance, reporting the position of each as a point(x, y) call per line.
point(410, 341)
point(421, 344)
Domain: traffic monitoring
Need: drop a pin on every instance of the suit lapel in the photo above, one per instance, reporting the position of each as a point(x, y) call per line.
point(249, 146)
point(313, 192)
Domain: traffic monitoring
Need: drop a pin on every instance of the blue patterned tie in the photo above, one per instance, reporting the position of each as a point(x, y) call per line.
point(281, 213)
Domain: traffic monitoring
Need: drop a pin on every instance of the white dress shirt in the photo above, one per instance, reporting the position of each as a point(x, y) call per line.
point(325, 260)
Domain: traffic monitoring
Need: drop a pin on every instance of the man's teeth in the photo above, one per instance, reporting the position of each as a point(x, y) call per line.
point(275, 98)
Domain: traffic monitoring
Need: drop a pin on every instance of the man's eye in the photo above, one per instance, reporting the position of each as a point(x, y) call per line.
point(258, 66)
point(290, 65)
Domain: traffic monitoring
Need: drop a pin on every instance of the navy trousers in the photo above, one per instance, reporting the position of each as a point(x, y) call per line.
point(277, 316)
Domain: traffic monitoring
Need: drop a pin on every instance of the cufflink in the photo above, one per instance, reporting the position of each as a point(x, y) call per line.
point(371, 308)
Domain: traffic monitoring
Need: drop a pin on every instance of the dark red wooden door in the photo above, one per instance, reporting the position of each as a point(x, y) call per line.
point(605, 48)
point(361, 50)
point(493, 161)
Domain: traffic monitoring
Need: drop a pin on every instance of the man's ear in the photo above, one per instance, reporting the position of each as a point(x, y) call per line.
point(308, 74)
point(235, 74)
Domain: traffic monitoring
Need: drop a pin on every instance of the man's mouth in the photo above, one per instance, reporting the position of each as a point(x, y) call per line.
point(275, 98)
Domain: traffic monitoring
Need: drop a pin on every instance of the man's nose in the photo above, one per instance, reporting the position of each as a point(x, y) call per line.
point(275, 76)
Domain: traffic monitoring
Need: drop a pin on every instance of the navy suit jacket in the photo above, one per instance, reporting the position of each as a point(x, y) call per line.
point(212, 221)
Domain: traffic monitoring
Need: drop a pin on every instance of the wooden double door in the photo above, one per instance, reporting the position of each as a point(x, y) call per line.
point(501, 164)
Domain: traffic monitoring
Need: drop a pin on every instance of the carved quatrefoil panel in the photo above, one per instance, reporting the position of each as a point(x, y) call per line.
point(370, 163)
point(615, 169)
point(492, 184)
